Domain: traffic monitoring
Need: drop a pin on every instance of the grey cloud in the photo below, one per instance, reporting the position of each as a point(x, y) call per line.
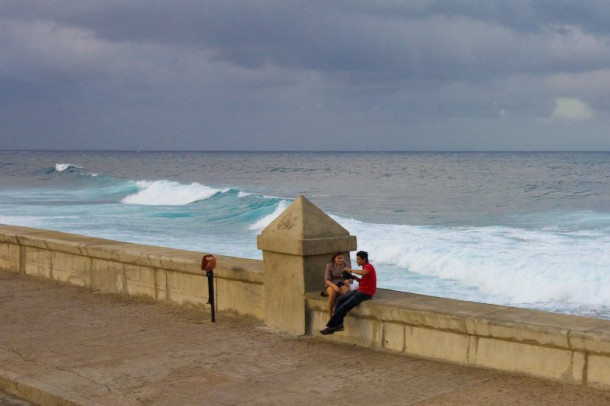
point(382, 41)
point(265, 74)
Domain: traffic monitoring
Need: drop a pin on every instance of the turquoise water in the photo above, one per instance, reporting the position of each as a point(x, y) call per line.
point(521, 229)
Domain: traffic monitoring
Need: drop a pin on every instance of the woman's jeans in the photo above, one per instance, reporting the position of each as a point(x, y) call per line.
point(344, 304)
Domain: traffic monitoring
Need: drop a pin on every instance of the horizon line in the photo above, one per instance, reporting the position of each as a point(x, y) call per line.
point(301, 151)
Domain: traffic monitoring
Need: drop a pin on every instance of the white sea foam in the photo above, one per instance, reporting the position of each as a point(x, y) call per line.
point(509, 264)
point(169, 193)
point(60, 167)
point(260, 224)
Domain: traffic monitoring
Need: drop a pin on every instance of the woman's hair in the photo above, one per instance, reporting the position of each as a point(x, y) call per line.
point(335, 255)
point(363, 255)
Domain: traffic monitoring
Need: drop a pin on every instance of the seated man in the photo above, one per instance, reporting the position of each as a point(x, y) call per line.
point(366, 290)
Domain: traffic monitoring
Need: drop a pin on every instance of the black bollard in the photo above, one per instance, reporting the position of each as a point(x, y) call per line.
point(207, 264)
point(211, 293)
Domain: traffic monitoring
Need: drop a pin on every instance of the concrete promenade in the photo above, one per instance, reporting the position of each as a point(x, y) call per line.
point(62, 344)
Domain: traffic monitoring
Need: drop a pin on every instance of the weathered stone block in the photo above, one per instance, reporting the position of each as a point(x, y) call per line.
point(243, 298)
point(598, 374)
point(317, 321)
point(394, 336)
point(553, 363)
point(74, 269)
point(144, 281)
point(437, 344)
point(364, 332)
point(107, 276)
point(521, 330)
point(596, 340)
point(9, 257)
point(37, 262)
point(187, 289)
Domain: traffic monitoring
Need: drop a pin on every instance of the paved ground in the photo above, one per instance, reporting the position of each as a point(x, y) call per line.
point(8, 400)
point(62, 344)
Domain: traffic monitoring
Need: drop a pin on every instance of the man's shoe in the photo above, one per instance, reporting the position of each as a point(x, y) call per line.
point(330, 330)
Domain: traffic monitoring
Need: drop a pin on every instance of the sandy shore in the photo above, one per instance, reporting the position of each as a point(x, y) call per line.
point(72, 345)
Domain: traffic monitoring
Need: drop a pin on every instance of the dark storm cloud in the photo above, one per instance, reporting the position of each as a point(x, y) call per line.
point(264, 74)
point(384, 39)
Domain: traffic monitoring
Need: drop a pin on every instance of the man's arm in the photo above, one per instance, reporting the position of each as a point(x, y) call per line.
point(358, 271)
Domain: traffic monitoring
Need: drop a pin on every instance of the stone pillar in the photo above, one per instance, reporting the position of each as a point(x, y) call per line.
point(296, 247)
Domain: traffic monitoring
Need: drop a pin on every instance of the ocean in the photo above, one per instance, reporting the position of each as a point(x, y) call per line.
point(529, 230)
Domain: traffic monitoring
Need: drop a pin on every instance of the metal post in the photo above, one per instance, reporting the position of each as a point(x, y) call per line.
point(208, 262)
point(211, 293)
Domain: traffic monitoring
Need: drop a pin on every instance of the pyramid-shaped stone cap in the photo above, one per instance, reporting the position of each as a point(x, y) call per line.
point(304, 229)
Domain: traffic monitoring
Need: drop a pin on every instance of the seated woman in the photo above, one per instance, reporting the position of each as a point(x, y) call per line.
point(333, 279)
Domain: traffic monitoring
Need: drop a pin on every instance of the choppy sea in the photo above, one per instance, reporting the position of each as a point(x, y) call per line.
point(529, 230)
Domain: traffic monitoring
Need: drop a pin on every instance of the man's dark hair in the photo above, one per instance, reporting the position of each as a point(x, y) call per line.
point(363, 255)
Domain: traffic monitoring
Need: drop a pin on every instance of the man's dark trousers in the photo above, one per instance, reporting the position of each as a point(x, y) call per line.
point(344, 304)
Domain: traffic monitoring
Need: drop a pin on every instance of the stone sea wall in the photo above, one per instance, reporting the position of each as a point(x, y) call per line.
point(157, 273)
point(553, 346)
point(283, 289)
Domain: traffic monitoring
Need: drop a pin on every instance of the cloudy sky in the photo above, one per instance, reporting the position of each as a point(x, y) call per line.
point(305, 75)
